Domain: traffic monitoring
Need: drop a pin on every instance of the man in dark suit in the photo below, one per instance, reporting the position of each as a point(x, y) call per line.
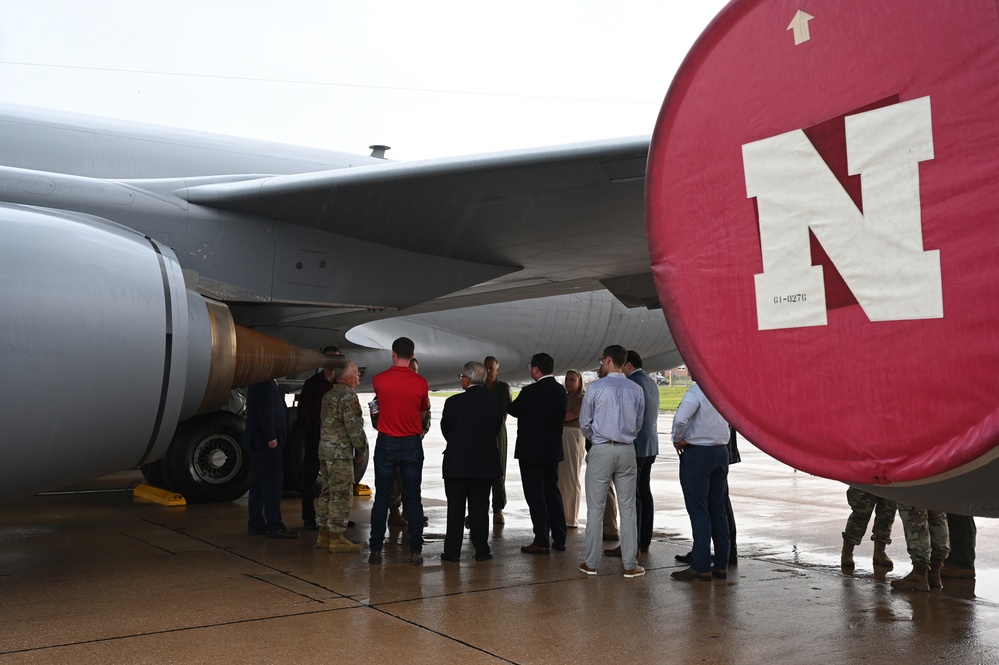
point(264, 438)
point(540, 412)
point(470, 423)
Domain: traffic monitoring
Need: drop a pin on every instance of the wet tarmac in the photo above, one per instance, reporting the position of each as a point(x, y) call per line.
point(101, 577)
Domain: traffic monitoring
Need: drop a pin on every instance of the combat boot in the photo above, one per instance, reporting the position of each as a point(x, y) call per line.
point(395, 517)
point(846, 558)
point(881, 558)
point(917, 580)
point(934, 575)
point(339, 543)
point(323, 540)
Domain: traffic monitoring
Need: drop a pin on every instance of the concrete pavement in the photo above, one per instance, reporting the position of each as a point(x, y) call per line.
point(105, 578)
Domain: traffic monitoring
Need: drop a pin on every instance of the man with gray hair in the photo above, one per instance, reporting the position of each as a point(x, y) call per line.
point(341, 443)
point(470, 423)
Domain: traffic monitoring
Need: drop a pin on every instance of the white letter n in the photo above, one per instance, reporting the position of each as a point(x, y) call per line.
point(878, 252)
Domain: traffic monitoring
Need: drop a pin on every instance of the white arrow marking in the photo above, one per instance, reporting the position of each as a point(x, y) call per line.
point(800, 26)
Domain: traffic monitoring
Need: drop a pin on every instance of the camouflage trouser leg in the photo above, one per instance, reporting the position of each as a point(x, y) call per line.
point(884, 517)
point(337, 495)
point(396, 490)
point(926, 534)
point(863, 504)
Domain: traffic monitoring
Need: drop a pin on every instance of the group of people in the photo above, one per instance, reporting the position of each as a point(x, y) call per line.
point(940, 545)
point(612, 425)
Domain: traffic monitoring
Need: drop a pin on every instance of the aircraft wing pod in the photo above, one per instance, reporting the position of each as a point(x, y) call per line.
point(553, 216)
point(821, 212)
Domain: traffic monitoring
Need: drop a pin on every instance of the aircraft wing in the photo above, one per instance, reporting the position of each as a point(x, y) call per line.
point(538, 222)
point(154, 270)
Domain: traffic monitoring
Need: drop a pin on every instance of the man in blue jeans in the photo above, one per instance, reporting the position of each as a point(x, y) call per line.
point(700, 436)
point(403, 399)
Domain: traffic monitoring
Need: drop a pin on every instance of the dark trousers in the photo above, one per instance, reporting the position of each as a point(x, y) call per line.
point(963, 534)
point(704, 481)
point(545, 501)
point(310, 471)
point(266, 480)
point(733, 550)
point(405, 454)
point(499, 483)
point(474, 492)
point(644, 509)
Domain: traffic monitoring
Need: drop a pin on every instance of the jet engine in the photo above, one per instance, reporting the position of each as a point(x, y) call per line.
point(103, 313)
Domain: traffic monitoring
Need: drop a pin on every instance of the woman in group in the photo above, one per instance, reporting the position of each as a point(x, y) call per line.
point(573, 449)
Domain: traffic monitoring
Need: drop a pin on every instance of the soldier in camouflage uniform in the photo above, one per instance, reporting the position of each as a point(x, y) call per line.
point(341, 443)
point(863, 504)
point(928, 540)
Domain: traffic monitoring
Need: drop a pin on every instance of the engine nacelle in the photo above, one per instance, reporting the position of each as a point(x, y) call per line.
point(99, 333)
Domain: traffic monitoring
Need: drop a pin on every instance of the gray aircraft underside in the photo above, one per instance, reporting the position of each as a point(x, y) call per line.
point(147, 272)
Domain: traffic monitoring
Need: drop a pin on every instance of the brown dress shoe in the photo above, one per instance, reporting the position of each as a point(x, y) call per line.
point(534, 549)
point(689, 575)
point(956, 572)
point(615, 552)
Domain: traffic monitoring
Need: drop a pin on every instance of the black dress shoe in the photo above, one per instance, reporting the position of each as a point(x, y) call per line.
point(615, 552)
point(283, 534)
point(685, 558)
point(375, 558)
point(452, 559)
point(310, 525)
point(483, 557)
point(534, 549)
point(558, 546)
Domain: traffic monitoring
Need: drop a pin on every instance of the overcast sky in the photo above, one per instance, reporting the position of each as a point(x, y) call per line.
point(430, 79)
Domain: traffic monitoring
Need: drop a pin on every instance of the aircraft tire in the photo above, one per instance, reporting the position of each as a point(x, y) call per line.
point(362, 466)
point(205, 461)
point(153, 474)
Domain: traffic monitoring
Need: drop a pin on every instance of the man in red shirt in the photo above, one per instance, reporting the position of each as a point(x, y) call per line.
point(403, 399)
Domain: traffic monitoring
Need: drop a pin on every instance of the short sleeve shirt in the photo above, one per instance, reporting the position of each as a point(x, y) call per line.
point(402, 398)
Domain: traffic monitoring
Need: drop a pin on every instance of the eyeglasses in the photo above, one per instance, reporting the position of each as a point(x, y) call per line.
point(462, 376)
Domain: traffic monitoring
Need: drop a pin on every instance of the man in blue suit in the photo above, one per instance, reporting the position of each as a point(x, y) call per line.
point(540, 412)
point(263, 440)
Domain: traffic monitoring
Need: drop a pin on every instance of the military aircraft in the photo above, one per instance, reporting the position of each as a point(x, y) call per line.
point(149, 271)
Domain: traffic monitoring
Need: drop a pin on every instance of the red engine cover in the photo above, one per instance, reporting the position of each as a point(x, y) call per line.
point(823, 221)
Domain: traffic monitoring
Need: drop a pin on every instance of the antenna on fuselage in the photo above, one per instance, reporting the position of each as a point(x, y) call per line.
point(378, 151)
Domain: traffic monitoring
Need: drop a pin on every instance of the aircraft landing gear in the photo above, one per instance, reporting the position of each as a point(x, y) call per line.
point(205, 460)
